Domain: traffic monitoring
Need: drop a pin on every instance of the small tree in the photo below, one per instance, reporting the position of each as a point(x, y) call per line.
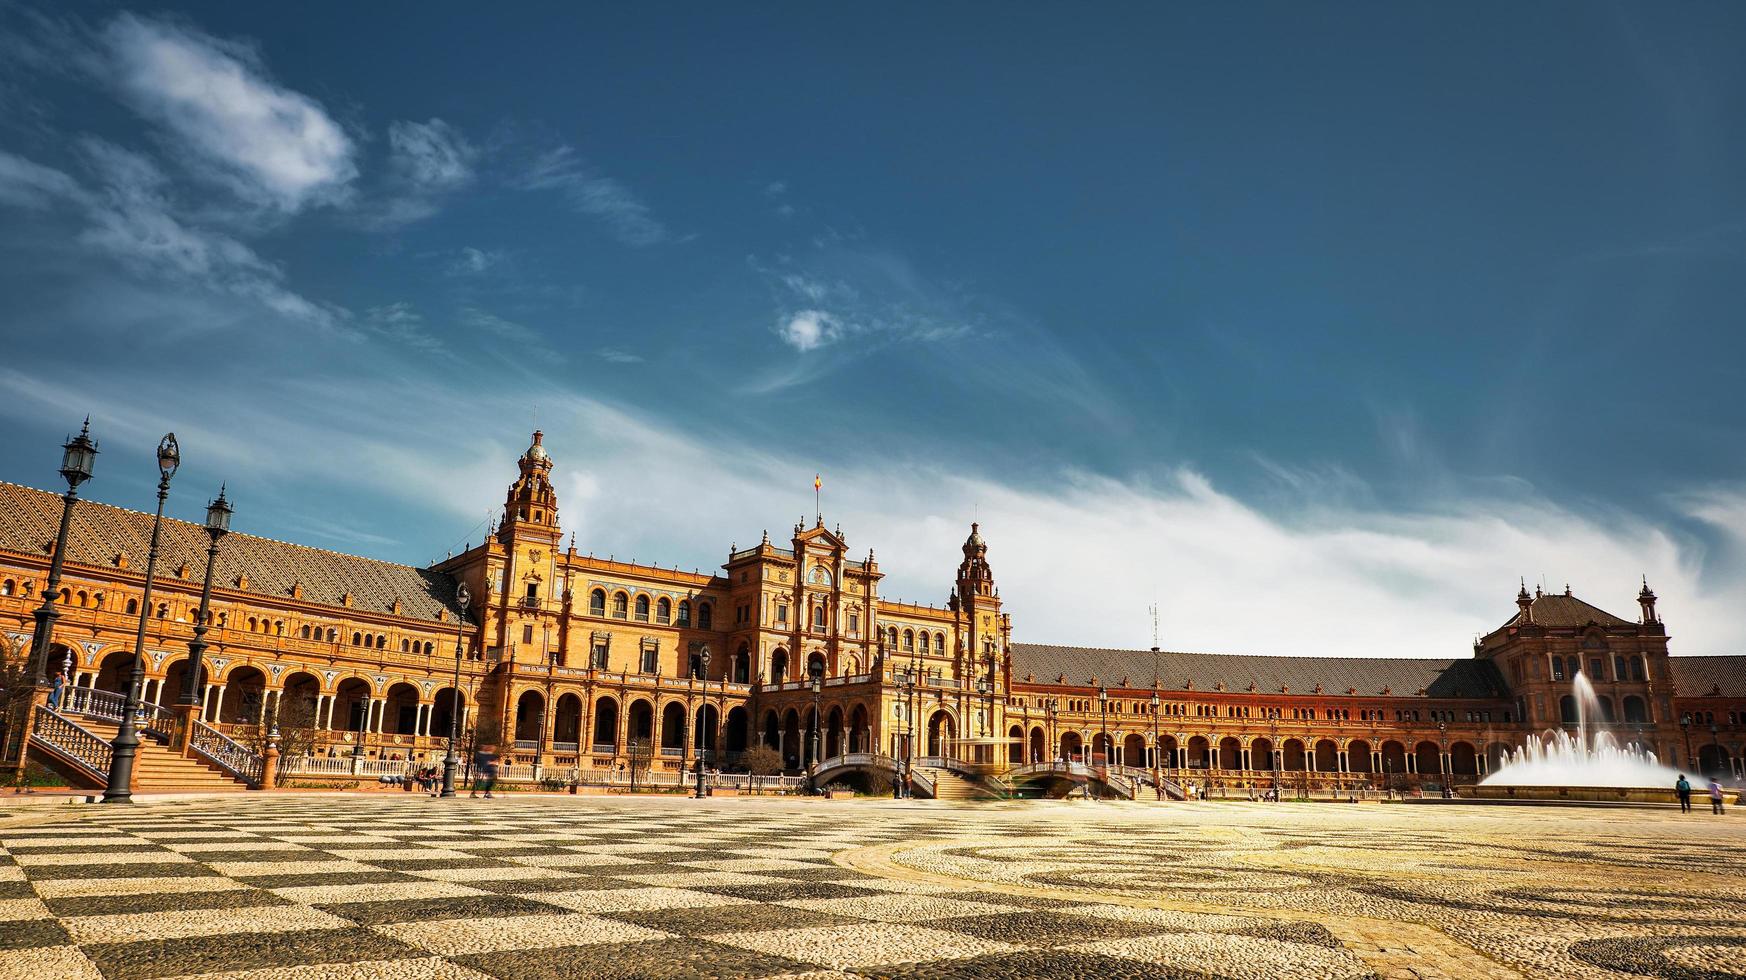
point(639, 756)
point(761, 760)
point(297, 732)
point(15, 692)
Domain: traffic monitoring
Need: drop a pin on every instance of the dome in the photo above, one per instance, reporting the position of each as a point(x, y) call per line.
point(537, 453)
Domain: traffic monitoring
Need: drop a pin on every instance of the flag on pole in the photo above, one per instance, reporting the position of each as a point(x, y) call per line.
point(817, 482)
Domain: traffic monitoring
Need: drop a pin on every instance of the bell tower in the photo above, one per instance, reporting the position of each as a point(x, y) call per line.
point(531, 508)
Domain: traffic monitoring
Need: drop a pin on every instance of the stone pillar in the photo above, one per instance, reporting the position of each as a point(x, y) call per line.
point(269, 763)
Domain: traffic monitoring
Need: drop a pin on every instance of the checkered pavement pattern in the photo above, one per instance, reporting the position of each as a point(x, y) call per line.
point(305, 887)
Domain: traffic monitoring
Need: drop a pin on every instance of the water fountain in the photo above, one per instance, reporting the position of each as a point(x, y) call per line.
point(1589, 765)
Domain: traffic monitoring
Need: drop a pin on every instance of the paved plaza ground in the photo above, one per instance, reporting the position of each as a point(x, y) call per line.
point(371, 885)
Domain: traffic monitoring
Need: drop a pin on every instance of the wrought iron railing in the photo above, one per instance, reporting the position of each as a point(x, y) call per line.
point(226, 753)
point(68, 739)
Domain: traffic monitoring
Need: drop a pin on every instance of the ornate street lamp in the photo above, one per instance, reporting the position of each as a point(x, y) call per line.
point(77, 455)
point(1103, 711)
point(217, 526)
point(463, 598)
point(1685, 729)
point(703, 668)
point(817, 688)
point(120, 789)
point(1157, 779)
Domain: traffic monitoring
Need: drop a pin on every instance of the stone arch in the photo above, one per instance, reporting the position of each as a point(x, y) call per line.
point(1261, 755)
point(350, 699)
point(736, 733)
point(1199, 753)
point(448, 704)
point(833, 732)
point(1072, 747)
point(815, 665)
point(1635, 709)
point(1230, 754)
point(640, 723)
point(1714, 761)
point(860, 737)
point(1394, 758)
point(1327, 755)
point(1428, 758)
point(779, 665)
point(400, 710)
point(1292, 757)
point(605, 723)
point(113, 671)
point(673, 728)
point(1134, 751)
point(176, 683)
point(942, 731)
point(1039, 745)
point(1463, 759)
point(1358, 756)
point(245, 692)
point(567, 723)
point(530, 719)
point(708, 721)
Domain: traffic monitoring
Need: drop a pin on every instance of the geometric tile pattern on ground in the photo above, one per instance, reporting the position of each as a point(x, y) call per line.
point(297, 886)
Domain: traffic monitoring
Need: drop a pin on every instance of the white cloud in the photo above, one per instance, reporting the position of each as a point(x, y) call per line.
point(27, 184)
point(595, 195)
point(470, 261)
point(617, 355)
point(1077, 561)
point(433, 155)
point(273, 146)
point(809, 330)
point(400, 323)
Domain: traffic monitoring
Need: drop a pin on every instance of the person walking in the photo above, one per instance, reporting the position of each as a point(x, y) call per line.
point(54, 699)
point(485, 760)
point(1683, 788)
point(1715, 795)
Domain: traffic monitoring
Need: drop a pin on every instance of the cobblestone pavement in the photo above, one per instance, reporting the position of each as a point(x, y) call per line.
point(391, 886)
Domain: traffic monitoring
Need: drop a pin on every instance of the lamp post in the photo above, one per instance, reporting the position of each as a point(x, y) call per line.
point(463, 598)
point(120, 788)
point(984, 688)
point(217, 526)
point(1103, 724)
point(1685, 730)
point(817, 688)
point(703, 668)
point(1716, 747)
point(1157, 776)
point(77, 455)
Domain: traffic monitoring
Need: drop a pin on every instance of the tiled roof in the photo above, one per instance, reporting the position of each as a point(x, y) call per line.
point(1568, 612)
point(1206, 671)
point(1694, 677)
point(30, 518)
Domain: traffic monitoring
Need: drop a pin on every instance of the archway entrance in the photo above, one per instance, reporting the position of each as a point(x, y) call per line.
point(942, 733)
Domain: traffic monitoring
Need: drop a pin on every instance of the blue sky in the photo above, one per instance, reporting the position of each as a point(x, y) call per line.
point(1316, 325)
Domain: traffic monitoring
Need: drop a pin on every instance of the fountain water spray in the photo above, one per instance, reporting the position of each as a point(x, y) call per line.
point(1558, 759)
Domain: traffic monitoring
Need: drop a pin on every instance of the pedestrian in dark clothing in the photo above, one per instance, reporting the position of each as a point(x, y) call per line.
point(1683, 788)
point(1715, 795)
point(485, 761)
point(54, 699)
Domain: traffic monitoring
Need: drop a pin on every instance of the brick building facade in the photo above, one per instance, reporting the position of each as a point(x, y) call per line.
point(573, 662)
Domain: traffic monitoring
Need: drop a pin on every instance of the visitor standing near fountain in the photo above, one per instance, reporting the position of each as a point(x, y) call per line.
point(1683, 788)
point(1715, 795)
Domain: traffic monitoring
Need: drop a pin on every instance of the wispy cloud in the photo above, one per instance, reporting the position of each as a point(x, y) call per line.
point(618, 355)
point(595, 195)
point(401, 324)
point(273, 146)
point(470, 261)
point(809, 330)
point(426, 162)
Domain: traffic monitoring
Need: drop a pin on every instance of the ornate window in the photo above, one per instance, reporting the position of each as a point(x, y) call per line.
point(704, 616)
point(684, 612)
point(664, 610)
point(597, 602)
point(642, 609)
point(620, 605)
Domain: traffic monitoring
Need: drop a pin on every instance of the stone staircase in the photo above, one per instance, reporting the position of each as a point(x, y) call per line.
point(950, 785)
point(157, 769)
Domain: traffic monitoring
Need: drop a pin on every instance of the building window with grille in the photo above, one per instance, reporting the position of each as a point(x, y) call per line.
point(597, 659)
point(597, 602)
point(651, 660)
point(621, 606)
